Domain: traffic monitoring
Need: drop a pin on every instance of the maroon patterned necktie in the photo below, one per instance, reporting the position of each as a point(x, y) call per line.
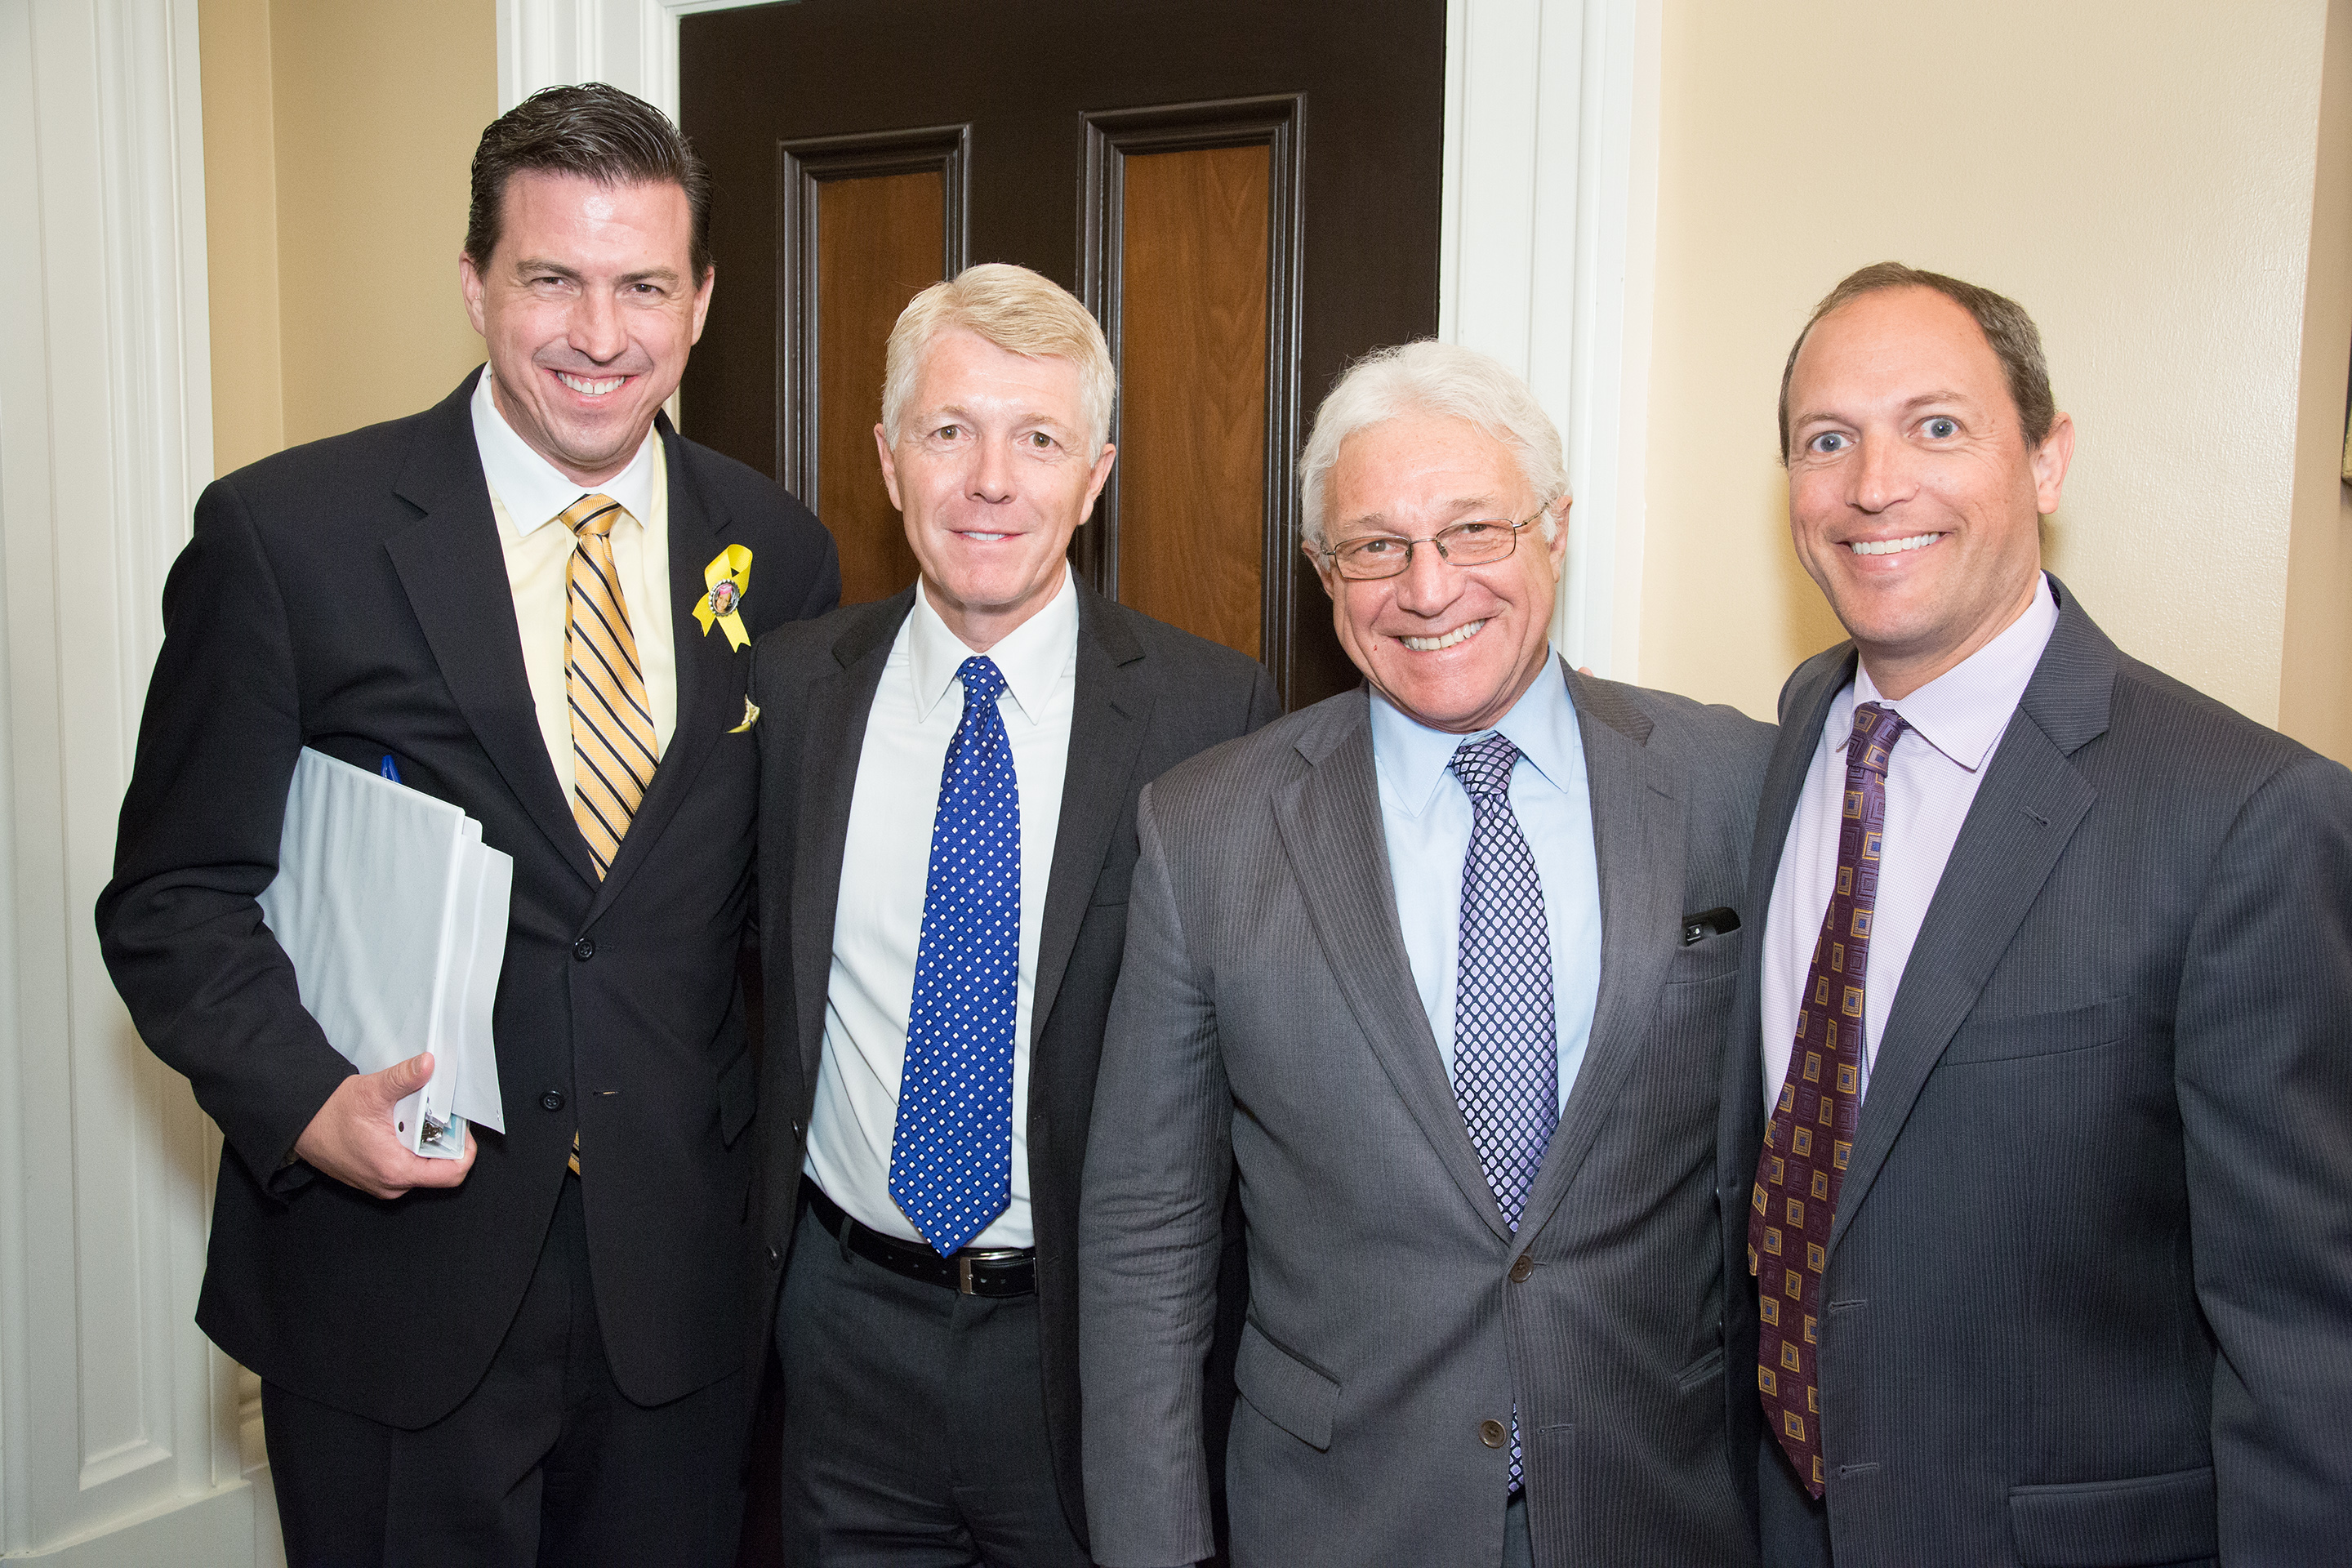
point(1811, 1135)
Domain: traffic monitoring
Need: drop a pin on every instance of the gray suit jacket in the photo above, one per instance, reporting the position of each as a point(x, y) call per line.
point(1267, 1008)
point(1148, 697)
point(2090, 1284)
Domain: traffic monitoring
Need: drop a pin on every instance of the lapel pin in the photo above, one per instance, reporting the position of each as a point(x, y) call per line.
point(725, 582)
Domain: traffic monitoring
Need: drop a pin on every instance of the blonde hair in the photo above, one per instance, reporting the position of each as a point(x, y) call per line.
point(1020, 312)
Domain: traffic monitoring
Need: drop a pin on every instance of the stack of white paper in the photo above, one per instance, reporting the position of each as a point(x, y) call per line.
point(395, 913)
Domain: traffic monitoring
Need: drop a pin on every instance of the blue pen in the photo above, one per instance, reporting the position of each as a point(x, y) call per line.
point(389, 768)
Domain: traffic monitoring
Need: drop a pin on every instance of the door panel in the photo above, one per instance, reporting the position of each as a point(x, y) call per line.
point(1191, 519)
point(878, 242)
point(1246, 192)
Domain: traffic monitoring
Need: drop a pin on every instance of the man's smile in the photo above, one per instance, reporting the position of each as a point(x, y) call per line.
point(1458, 636)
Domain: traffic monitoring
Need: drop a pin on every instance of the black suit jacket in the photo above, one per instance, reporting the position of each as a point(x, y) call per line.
point(351, 596)
point(2089, 1298)
point(1148, 697)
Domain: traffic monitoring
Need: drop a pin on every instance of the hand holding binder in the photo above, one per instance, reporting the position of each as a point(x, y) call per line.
point(394, 913)
point(352, 1138)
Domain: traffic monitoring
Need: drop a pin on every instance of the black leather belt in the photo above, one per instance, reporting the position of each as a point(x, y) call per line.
point(993, 1273)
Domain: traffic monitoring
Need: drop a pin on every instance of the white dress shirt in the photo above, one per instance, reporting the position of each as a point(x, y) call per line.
point(1427, 817)
point(527, 494)
point(1957, 719)
point(885, 870)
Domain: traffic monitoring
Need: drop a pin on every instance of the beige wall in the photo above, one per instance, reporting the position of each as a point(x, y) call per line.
point(2315, 686)
point(337, 135)
point(2141, 177)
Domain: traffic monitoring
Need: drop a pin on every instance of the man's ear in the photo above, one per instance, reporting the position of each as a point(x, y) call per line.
point(889, 467)
point(1096, 481)
point(1324, 573)
point(469, 283)
point(702, 301)
point(2050, 460)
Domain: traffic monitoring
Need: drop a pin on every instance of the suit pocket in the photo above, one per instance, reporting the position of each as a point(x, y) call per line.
point(2134, 1523)
point(1284, 1389)
point(739, 1097)
point(1707, 1369)
point(2007, 1039)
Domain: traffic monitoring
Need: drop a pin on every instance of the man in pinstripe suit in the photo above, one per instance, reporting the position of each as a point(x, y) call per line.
point(2052, 1141)
point(1442, 969)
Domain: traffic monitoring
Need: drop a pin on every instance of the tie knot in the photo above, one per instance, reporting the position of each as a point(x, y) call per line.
point(1875, 728)
point(1483, 766)
point(591, 516)
point(982, 682)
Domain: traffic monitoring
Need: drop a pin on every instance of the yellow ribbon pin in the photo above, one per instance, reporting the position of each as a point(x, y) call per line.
point(728, 578)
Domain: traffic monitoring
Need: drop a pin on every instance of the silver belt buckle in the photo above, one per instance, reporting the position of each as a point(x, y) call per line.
point(965, 1259)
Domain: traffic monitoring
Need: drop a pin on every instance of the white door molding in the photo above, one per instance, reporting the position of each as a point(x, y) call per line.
point(119, 1424)
point(1547, 241)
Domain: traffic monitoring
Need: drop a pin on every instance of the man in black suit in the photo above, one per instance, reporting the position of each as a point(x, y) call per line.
point(943, 890)
point(2041, 1181)
point(531, 1354)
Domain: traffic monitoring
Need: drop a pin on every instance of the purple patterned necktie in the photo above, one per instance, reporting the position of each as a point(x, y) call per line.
point(1506, 1052)
point(1806, 1143)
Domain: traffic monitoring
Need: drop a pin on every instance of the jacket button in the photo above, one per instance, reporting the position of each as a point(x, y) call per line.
point(584, 949)
point(552, 1101)
point(1522, 1270)
point(1494, 1434)
point(796, 1129)
point(776, 1258)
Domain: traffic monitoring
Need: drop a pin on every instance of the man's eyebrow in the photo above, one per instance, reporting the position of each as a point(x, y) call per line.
point(530, 265)
point(1909, 405)
point(1458, 505)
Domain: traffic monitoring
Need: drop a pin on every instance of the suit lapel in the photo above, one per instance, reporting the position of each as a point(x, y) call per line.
point(831, 735)
point(707, 680)
point(1329, 822)
point(455, 574)
point(1110, 714)
point(1637, 833)
point(2031, 802)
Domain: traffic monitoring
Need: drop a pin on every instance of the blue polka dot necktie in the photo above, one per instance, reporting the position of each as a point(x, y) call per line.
point(1505, 1051)
point(951, 1154)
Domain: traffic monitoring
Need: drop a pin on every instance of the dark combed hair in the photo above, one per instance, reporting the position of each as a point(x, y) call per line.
point(613, 137)
point(2010, 333)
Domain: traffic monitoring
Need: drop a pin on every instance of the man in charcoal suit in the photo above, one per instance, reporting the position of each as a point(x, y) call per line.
point(1440, 971)
point(2042, 1080)
point(947, 830)
point(530, 1353)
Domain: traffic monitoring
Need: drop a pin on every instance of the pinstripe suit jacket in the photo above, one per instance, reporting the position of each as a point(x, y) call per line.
point(1266, 1006)
point(2089, 1298)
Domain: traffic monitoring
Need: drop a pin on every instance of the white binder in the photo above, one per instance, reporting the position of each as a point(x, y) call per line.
point(394, 914)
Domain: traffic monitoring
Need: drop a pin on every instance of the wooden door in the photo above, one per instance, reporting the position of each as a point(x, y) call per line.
point(1245, 194)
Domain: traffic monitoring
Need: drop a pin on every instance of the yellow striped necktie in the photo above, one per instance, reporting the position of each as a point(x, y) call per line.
point(613, 749)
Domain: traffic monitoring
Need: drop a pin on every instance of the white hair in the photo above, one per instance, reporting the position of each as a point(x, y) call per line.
point(1443, 379)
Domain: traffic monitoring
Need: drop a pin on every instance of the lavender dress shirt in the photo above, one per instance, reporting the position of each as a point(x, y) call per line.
point(1957, 719)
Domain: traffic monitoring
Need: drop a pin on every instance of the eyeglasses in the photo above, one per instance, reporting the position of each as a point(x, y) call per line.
point(1472, 543)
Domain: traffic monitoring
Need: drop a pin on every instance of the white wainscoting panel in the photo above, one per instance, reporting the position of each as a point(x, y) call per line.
point(117, 1421)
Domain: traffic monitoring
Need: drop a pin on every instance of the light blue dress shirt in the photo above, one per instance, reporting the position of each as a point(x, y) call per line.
point(1426, 816)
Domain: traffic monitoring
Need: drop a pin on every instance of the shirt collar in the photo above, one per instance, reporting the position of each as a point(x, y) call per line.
point(1964, 712)
point(1033, 658)
point(533, 491)
point(1413, 759)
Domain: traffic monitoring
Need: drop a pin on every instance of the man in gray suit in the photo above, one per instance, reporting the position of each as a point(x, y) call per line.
point(1441, 971)
point(2051, 1137)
